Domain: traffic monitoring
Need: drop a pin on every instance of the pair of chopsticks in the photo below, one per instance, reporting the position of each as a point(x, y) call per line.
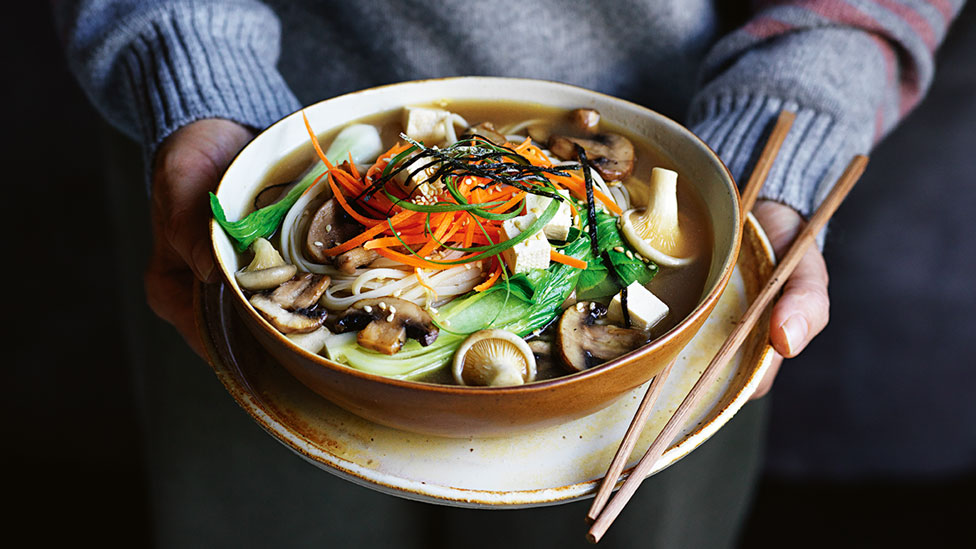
point(603, 511)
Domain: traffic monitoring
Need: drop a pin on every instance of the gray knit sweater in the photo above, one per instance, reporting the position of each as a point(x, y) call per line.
point(850, 68)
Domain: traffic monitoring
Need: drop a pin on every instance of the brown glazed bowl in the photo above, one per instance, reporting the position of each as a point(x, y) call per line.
point(455, 411)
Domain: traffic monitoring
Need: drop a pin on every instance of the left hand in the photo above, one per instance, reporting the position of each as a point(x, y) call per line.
point(803, 309)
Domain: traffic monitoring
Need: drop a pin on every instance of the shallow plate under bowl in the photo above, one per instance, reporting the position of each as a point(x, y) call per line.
point(548, 466)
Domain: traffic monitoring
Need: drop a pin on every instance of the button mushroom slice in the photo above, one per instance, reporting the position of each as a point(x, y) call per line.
point(494, 358)
point(611, 154)
point(330, 226)
point(301, 292)
point(385, 323)
point(301, 321)
point(348, 262)
point(655, 231)
point(587, 121)
point(267, 270)
point(583, 344)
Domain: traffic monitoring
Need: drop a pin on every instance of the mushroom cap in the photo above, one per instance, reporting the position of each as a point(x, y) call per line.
point(583, 344)
point(611, 154)
point(494, 358)
point(655, 231)
point(385, 323)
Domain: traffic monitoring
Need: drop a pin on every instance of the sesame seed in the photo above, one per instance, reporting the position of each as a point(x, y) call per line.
point(580, 306)
point(328, 227)
point(382, 305)
point(392, 310)
point(618, 249)
point(390, 318)
point(592, 305)
point(630, 254)
point(318, 244)
point(368, 309)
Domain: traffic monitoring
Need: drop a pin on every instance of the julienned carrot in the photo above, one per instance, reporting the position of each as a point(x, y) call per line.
point(578, 188)
point(315, 143)
point(415, 261)
point(491, 279)
point(369, 233)
point(337, 194)
point(566, 260)
point(420, 279)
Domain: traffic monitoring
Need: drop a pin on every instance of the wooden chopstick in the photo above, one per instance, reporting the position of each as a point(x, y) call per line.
point(765, 162)
point(789, 262)
point(766, 158)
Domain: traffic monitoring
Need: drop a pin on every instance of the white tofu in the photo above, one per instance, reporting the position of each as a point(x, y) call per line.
point(558, 227)
point(421, 182)
point(531, 253)
point(645, 308)
point(423, 124)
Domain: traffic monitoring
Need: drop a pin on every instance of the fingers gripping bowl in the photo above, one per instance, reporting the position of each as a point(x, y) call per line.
point(428, 399)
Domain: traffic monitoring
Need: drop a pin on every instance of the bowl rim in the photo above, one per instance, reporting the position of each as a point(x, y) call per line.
point(705, 303)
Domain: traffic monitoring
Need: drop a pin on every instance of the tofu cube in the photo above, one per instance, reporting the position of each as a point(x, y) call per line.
point(645, 308)
point(531, 253)
point(425, 124)
point(422, 181)
point(558, 227)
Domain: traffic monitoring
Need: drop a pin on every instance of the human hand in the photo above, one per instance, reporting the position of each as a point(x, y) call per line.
point(187, 166)
point(803, 309)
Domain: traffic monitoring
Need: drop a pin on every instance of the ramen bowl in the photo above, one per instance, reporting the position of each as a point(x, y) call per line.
point(462, 411)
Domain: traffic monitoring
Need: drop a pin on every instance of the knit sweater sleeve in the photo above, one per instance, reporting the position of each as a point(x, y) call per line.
point(850, 69)
point(152, 66)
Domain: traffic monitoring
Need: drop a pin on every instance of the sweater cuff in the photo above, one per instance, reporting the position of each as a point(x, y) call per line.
point(736, 127)
point(193, 62)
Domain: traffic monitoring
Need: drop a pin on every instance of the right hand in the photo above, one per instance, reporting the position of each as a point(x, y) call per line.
point(188, 165)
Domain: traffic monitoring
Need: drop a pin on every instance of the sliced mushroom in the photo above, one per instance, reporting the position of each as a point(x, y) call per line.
point(488, 131)
point(586, 121)
point(267, 270)
point(330, 226)
point(494, 358)
point(385, 323)
point(611, 154)
point(301, 321)
point(348, 262)
point(583, 344)
point(655, 231)
point(301, 292)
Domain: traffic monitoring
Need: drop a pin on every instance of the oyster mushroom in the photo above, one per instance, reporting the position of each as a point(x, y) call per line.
point(611, 154)
point(583, 344)
point(655, 231)
point(385, 323)
point(494, 358)
point(267, 270)
point(291, 307)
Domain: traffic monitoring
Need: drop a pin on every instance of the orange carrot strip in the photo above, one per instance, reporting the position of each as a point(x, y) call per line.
point(315, 143)
point(411, 260)
point(368, 234)
point(566, 260)
point(491, 280)
point(352, 167)
point(367, 221)
point(420, 280)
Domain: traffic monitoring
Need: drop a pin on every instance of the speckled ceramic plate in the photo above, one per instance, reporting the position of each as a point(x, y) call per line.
point(544, 467)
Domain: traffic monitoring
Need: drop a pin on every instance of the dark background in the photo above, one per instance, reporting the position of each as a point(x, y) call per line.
point(873, 433)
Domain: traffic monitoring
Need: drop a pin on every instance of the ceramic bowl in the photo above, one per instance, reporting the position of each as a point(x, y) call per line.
point(456, 411)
